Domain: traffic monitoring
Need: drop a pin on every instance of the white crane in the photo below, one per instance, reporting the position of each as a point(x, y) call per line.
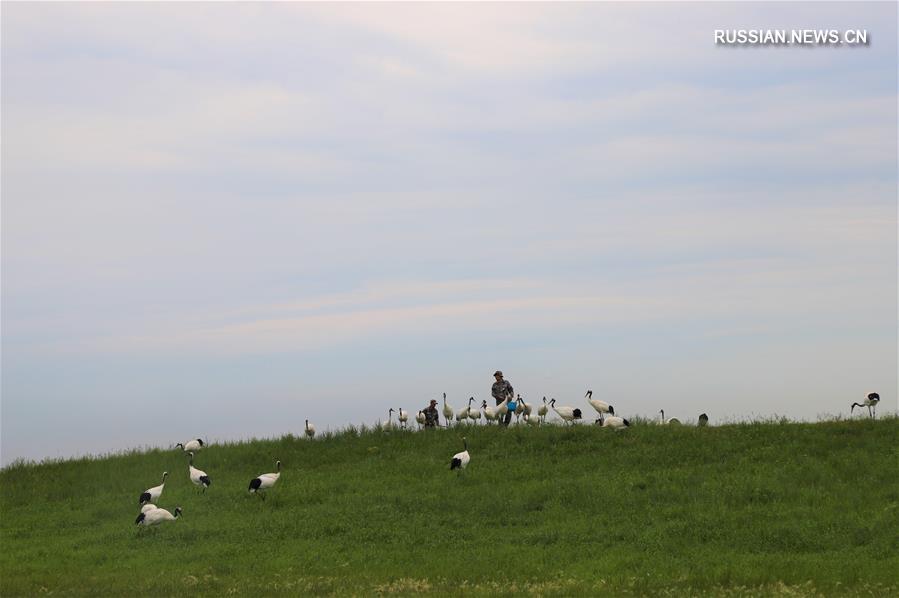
point(543, 409)
point(420, 418)
point(474, 414)
point(153, 494)
point(503, 408)
point(390, 418)
point(490, 413)
point(403, 416)
point(460, 460)
point(569, 414)
point(310, 430)
point(703, 419)
point(192, 446)
point(670, 420)
point(531, 420)
point(870, 402)
point(198, 477)
point(265, 481)
point(462, 414)
point(519, 408)
point(601, 407)
point(526, 408)
point(156, 516)
point(447, 412)
point(615, 422)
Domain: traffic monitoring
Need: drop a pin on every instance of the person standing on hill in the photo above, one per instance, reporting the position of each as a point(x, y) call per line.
point(500, 389)
point(432, 417)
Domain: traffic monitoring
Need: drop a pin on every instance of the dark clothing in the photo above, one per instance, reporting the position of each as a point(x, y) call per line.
point(431, 417)
point(499, 391)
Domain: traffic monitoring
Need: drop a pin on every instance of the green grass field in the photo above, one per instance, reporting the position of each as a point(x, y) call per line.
point(770, 508)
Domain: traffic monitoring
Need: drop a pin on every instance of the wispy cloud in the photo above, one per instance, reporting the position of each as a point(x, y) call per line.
point(550, 186)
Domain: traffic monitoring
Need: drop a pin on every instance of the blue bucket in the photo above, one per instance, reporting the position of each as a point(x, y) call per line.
point(513, 405)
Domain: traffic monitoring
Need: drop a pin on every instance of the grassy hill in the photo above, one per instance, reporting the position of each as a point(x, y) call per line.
point(748, 509)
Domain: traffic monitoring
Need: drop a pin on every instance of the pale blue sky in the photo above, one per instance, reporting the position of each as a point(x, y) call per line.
point(220, 219)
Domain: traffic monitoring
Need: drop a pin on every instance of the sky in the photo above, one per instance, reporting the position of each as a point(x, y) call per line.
point(219, 220)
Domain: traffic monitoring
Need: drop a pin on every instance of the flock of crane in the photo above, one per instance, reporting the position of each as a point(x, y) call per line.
point(530, 414)
point(525, 412)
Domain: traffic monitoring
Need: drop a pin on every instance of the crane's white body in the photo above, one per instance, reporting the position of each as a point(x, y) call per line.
point(420, 418)
point(670, 420)
point(524, 408)
point(474, 414)
point(543, 409)
point(193, 446)
point(197, 476)
point(153, 494)
point(490, 413)
point(448, 411)
point(615, 422)
point(460, 460)
point(601, 407)
point(403, 416)
point(503, 408)
point(569, 414)
point(310, 430)
point(265, 480)
point(156, 516)
point(870, 402)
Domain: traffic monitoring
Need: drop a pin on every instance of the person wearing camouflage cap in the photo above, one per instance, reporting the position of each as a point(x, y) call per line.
point(500, 389)
point(432, 419)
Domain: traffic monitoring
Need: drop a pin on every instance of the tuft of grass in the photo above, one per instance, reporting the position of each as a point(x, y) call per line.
point(754, 509)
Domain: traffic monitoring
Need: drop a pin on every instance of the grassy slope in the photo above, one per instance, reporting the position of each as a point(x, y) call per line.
point(746, 509)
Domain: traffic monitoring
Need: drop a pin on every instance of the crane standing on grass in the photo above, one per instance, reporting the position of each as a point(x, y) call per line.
point(153, 494)
point(197, 476)
point(447, 411)
point(601, 407)
point(870, 402)
point(569, 414)
point(265, 481)
point(460, 460)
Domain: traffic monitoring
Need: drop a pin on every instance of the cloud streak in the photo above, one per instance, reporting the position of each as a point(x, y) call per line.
point(194, 214)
